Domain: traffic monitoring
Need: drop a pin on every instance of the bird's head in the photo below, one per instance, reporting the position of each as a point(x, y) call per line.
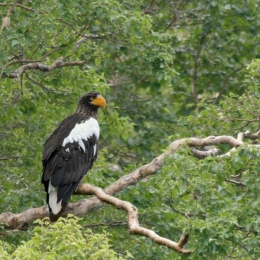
point(91, 101)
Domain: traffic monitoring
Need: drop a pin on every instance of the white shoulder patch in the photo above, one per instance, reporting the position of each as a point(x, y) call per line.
point(82, 132)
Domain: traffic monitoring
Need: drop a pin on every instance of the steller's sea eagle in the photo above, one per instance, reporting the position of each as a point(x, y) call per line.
point(70, 152)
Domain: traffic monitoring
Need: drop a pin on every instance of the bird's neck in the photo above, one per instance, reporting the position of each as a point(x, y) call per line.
point(87, 111)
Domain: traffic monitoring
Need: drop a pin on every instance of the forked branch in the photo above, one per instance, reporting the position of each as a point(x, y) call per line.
point(133, 224)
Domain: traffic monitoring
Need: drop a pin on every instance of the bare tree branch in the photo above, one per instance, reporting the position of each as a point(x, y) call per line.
point(254, 136)
point(203, 154)
point(94, 36)
point(42, 67)
point(240, 137)
point(133, 224)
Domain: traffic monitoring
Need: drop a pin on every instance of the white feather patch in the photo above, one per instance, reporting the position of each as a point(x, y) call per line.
point(82, 132)
point(55, 207)
point(95, 149)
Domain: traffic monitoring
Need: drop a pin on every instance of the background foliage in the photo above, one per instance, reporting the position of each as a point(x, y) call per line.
point(168, 70)
point(65, 239)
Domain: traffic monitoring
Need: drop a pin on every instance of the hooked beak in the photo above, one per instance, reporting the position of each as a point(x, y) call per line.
point(99, 101)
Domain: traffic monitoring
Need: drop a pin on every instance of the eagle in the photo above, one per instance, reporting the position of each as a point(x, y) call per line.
point(70, 152)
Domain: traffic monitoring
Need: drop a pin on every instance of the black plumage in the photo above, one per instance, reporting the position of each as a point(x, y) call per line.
point(70, 152)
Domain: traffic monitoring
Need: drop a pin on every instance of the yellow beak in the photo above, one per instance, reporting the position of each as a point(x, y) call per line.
point(99, 101)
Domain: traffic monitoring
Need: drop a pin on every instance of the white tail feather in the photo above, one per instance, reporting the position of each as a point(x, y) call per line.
point(55, 207)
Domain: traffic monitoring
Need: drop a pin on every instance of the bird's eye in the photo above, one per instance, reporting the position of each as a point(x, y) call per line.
point(91, 98)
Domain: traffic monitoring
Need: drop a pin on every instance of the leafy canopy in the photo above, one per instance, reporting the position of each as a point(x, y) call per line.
point(168, 70)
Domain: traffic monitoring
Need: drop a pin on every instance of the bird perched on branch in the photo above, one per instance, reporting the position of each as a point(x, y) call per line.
point(70, 152)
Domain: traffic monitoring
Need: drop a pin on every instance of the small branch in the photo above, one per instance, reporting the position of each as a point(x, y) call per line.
point(40, 85)
point(110, 224)
point(22, 61)
point(224, 83)
point(23, 7)
point(32, 61)
point(42, 67)
point(70, 25)
point(28, 8)
point(185, 214)
point(237, 183)
point(133, 224)
point(147, 9)
point(94, 36)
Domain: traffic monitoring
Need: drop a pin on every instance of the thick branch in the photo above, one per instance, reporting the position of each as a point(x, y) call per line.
point(203, 154)
point(208, 141)
point(42, 67)
point(254, 136)
point(17, 221)
point(133, 221)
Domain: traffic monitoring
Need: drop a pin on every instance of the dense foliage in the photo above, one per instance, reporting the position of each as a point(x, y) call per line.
point(64, 239)
point(168, 70)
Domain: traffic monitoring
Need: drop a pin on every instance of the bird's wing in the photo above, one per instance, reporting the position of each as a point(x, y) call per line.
point(68, 154)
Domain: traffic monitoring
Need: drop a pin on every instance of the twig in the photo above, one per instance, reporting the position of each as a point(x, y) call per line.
point(224, 83)
point(33, 61)
point(70, 25)
point(185, 214)
point(94, 36)
point(28, 8)
point(147, 9)
point(237, 183)
point(110, 224)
